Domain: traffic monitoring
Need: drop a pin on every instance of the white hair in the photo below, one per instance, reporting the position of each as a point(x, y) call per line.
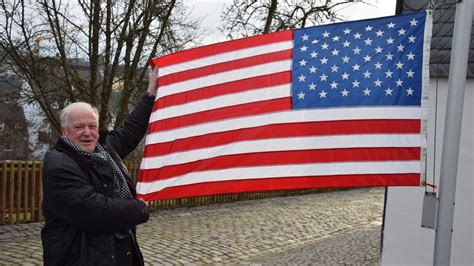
point(66, 112)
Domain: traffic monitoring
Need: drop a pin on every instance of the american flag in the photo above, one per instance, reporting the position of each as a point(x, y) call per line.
point(337, 105)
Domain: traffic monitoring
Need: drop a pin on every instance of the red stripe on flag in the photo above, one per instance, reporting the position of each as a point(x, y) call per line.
point(283, 183)
point(223, 89)
point(284, 131)
point(283, 158)
point(222, 47)
point(222, 67)
point(253, 108)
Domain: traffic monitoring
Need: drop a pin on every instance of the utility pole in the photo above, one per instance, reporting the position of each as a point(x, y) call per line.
point(452, 132)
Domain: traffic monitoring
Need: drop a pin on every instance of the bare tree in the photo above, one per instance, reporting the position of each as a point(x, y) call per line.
point(248, 18)
point(85, 50)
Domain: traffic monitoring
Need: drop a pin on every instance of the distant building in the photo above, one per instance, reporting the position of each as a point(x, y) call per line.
point(13, 124)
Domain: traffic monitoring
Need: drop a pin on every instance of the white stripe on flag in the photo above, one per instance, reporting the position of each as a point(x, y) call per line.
point(284, 144)
point(223, 77)
point(234, 99)
point(297, 170)
point(291, 116)
point(226, 57)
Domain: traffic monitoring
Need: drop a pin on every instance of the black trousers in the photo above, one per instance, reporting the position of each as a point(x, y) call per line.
point(125, 252)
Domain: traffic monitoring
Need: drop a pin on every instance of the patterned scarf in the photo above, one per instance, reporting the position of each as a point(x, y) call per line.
point(121, 189)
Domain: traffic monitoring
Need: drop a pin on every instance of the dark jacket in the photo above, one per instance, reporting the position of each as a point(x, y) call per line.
point(81, 213)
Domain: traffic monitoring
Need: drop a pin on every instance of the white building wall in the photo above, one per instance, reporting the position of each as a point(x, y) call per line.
point(36, 122)
point(405, 242)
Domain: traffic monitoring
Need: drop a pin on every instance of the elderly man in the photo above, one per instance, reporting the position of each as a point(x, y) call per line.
point(89, 198)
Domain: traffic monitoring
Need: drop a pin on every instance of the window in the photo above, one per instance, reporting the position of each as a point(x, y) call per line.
point(8, 145)
point(44, 136)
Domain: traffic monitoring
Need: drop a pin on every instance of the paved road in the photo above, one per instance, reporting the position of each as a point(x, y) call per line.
point(328, 228)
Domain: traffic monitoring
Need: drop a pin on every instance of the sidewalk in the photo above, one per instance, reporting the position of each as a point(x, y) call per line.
point(328, 228)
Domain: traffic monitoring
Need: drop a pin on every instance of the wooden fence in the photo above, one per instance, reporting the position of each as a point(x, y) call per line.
point(22, 193)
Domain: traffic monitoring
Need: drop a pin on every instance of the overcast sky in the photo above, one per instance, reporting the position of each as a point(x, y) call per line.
point(211, 10)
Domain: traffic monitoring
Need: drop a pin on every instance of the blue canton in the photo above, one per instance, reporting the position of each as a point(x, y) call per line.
point(374, 62)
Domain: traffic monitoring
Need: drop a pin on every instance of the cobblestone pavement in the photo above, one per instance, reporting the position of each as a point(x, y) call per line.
point(340, 227)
